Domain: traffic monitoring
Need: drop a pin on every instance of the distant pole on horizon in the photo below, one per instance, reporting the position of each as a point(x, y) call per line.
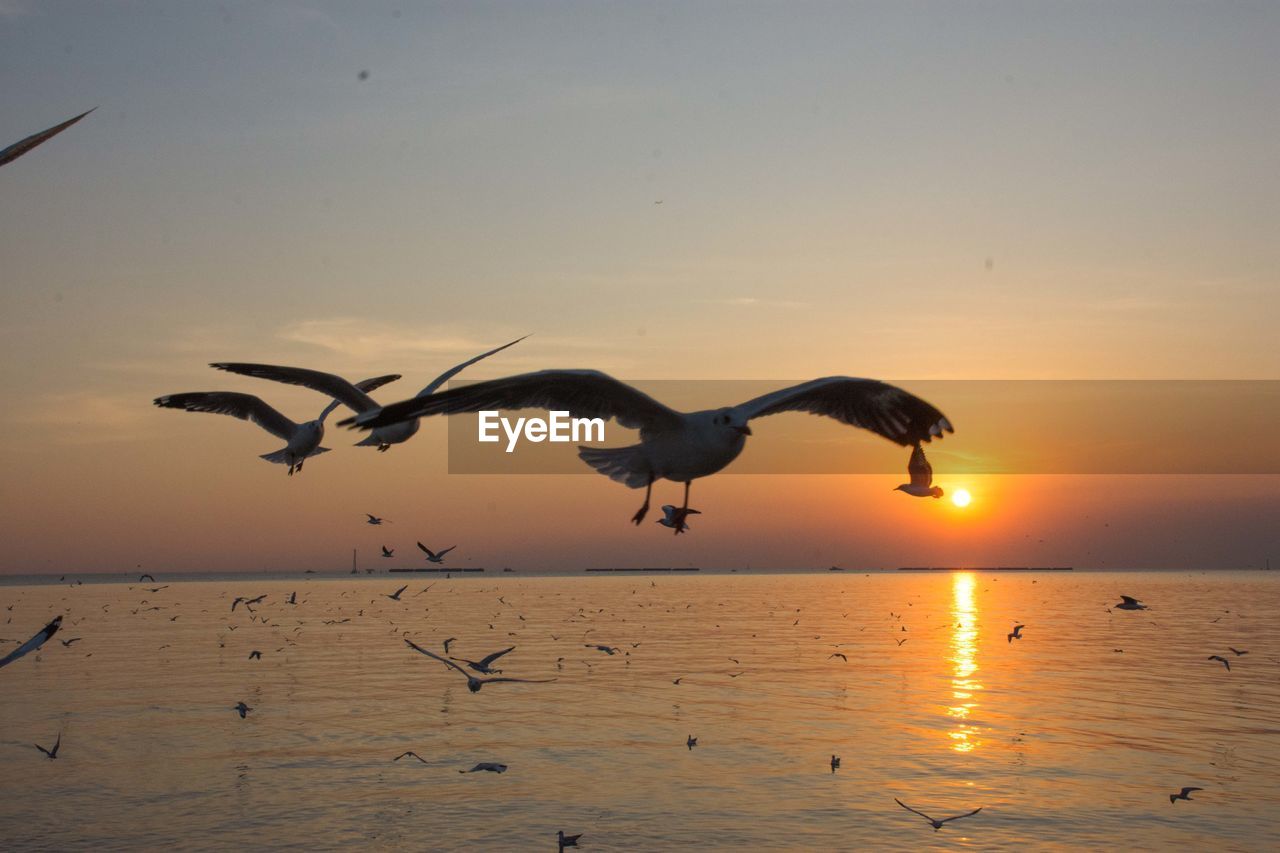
point(354, 570)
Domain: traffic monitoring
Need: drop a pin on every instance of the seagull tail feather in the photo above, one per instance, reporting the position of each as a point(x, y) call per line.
point(281, 456)
point(626, 465)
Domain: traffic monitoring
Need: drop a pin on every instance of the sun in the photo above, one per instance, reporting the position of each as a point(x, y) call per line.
point(960, 498)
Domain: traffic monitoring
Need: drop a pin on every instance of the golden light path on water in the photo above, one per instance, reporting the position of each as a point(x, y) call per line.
point(964, 659)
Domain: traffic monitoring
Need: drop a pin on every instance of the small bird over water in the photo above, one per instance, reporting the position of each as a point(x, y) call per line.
point(52, 753)
point(242, 708)
point(1184, 794)
point(1220, 659)
point(835, 763)
point(567, 840)
point(936, 824)
point(691, 742)
point(1129, 603)
point(921, 473)
point(1016, 633)
point(473, 684)
point(374, 520)
point(491, 766)
point(388, 552)
point(676, 518)
point(435, 556)
point(410, 754)
point(395, 596)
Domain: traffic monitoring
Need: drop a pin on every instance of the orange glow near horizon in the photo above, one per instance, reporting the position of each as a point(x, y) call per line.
point(961, 498)
point(964, 651)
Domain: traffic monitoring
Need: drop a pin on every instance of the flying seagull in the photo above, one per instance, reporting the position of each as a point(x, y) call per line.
point(354, 396)
point(609, 650)
point(491, 766)
point(1184, 794)
point(395, 596)
point(375, 520)
point(1221, 660)
point(255, 655)
point(691, 742)
point(447, 642)
point(388, 552)
point(303, 439)
point(433, 556)
point(1016, 633)
point(567, 840)
point(52, 753)
point(835, 763)
point(1237, 652)
point(34, 643)
point(1129, 603)
point(674, 445)
point(936, 824)
point(473, 684)
point(242, 708)
point(483, 666)
point(17, 149)
point(410, 754)
point(677, 518)
point(921, 472)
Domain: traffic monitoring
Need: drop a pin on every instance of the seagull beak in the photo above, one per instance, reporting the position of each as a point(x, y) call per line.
point(743, 430)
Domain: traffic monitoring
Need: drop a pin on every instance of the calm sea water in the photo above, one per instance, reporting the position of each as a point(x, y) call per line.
point(1063, 739)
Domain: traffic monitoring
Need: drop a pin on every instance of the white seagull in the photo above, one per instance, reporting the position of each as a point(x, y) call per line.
point(435, 556)
point(674, 445)
point(354, 396)
point(34, 643)
point(22, 146)
point(921, 472)
point(1129, 603)
point(676, 518)
point(303, 439)
point(936, 824)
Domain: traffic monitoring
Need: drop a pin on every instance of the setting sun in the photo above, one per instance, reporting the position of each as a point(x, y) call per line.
point(961, 498)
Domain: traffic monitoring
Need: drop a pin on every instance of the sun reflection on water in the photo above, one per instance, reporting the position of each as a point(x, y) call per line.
point(964, 654)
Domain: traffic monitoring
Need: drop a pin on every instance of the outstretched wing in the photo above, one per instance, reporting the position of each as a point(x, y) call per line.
point(362, 386)
point(444, 661)
point(34, 643)
point(458, 368)
point(1129, 600)
point(352, 396)
point(21, 147)
point(584, 393)
point(246, 407)
point(446, 551)
point(521, 680)
point(919, 468)
point(884, 409)
point(426, 550)
point(957, 817)
point(908, 808)
point(484, 662)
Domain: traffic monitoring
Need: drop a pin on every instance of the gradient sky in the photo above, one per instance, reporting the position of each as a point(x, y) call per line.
point(907, 190)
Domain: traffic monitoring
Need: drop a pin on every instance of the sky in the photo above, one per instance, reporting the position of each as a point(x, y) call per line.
point(709, 190)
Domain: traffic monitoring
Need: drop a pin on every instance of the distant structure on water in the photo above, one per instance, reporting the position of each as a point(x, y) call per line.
point(987, 569)
point(651, 569)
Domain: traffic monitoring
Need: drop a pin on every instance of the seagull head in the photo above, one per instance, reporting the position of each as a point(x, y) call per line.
point(732, 423)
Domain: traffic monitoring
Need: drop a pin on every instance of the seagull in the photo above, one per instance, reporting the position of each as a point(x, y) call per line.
point(246, 602)
point(375, 520)
point(293, 598)
point(676, 518)
point(1237, 652)
point(691, 742)
point(255, 655)
point(473, 684)
point(410, 754)
point(355, 397)
point(921, 472)
point(242, 708)
point(567, 840)
point(388, 552)
point(447, 642)
point(835, 763)
point(609, 650)
point(1130, 604)
point(936, 824)
point(68, 643)
point(1184, 794)
point(1016, 633)
point(1222, 660)
point(144, 577)
point(482, 666)
point(838, 655)
point(395, 596)
point(52, 753)
point(434, 557)
point(491, 766)
point(303, 439)
point(17, 149)
point(34, 643)
point(674, 445)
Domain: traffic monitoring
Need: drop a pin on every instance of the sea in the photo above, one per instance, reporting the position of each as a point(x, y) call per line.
point(1071, 737)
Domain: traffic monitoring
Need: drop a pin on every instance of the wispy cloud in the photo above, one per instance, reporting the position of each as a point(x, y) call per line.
point(754, 302)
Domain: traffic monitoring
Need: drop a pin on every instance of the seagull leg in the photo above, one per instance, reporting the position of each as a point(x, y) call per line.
point(644, 509)
point(684, 510)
